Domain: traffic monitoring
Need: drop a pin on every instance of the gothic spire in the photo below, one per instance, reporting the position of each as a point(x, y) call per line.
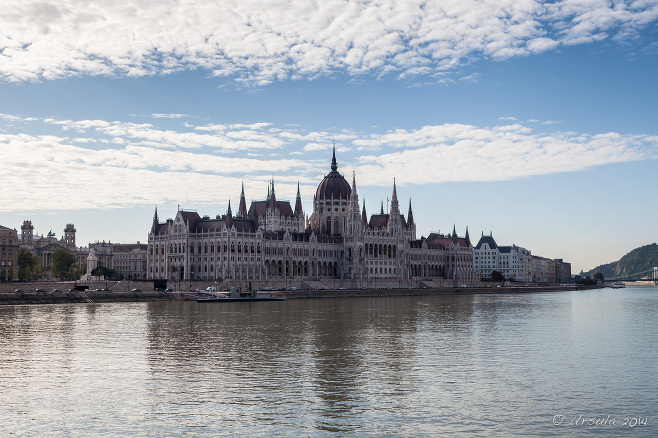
point(382, 209)
point(395, 209)
point(364, 216)
point(410, 215)
point(334, 165)
point(155, 216)
point(272, 195)
point(468, 239)
point(242, 209)
point(298, 202)
point(454, 231)
point(228, 212)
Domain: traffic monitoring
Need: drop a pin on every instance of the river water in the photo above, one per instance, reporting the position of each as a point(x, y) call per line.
point(548, 364)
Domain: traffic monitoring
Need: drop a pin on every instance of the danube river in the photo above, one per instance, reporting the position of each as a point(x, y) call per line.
point(546, 364)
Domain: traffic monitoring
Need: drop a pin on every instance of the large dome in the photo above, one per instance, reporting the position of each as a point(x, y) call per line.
point(333, 186)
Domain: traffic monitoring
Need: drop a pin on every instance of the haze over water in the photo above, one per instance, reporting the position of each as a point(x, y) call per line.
point(475, 365)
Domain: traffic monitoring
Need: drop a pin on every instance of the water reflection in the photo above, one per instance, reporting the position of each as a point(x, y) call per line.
point(411, 366)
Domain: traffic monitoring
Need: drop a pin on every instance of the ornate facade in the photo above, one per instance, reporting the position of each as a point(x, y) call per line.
point(8, 254)
point(338, 245)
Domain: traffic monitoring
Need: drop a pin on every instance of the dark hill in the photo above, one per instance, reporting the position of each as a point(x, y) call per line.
point(639, 260)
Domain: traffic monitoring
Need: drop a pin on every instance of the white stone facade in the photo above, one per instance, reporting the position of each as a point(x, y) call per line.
point(337, 246)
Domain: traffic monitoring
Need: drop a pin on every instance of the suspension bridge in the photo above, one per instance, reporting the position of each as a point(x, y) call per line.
point(650, 275)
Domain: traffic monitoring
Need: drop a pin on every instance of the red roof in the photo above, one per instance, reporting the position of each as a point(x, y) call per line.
point(261, 208)
point(378, 221)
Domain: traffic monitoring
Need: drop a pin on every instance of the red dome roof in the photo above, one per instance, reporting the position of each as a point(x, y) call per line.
point(333, 186)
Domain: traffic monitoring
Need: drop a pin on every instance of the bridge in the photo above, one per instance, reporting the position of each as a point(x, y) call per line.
point(650, 275)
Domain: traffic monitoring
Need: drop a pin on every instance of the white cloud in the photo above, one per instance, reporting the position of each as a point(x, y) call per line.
point(168, 116)
point(115, 160)
point(258, 41)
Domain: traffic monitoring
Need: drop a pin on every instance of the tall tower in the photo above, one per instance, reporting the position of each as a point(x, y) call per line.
point(394, 221)
point(27, 233)
point(353, 213)
point(69, 236)
point(242, 209)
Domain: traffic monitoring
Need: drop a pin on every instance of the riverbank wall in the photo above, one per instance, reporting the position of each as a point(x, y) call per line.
point(56, 293)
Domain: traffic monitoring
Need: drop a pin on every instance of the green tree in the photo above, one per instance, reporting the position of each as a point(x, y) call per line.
point(108, 273)
point(598, 276)
point(497, 276)
point(29, 265)
point(3, 274)
point(63, 261)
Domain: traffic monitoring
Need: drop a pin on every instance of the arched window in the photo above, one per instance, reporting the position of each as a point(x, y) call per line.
point(328, 225)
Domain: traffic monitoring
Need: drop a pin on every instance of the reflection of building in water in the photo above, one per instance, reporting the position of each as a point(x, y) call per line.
point(272, 241)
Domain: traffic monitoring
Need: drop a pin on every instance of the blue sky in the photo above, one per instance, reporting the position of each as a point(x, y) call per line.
point(534, 121)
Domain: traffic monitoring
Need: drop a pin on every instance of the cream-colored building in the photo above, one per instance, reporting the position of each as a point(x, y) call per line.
point(8, 254)
point(272, 242)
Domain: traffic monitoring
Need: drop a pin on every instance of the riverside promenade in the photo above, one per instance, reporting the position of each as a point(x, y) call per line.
point(60, 293)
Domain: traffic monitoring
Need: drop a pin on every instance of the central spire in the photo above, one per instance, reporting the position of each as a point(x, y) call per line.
point(334, 165)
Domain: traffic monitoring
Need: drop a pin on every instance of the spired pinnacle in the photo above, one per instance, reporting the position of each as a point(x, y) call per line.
point(334, 165)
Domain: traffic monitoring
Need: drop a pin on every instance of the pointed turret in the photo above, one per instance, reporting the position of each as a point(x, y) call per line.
point(298, 202)
point(468, 239)
point(454, 231)
point(272, 195)
point(364, 216)
point(381, 211)
point(229, 216)
point(395, 209)
point(394, 222)
point(334, 165)
point(410, 215)
point(242, 209)
point(156, 221)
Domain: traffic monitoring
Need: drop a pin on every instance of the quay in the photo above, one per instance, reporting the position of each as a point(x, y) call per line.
point(61, 293)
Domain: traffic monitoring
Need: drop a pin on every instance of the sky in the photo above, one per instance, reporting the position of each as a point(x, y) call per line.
point(532, 121)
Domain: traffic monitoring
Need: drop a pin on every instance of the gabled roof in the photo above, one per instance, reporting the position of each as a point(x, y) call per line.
point(217, 225)
point(190, 218)
point(260, 207)
point(378, 221)
point(488, 240)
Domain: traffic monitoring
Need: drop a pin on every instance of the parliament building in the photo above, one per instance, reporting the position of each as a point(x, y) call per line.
point(273, 243)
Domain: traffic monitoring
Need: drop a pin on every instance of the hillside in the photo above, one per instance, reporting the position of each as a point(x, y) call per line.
point(640, 259)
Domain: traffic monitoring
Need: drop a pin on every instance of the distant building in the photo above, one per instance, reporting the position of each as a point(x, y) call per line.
point(337, 245)
point(128, 260)
point(44, 246)
point(517, 264)
point(8, 254)
point(513, 262)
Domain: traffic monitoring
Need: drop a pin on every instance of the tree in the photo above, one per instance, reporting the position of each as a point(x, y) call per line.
point(3, 274)
point(497, 276)
point(28, 265)
point(109, 274)
point(63, 261)
point(598, 276)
